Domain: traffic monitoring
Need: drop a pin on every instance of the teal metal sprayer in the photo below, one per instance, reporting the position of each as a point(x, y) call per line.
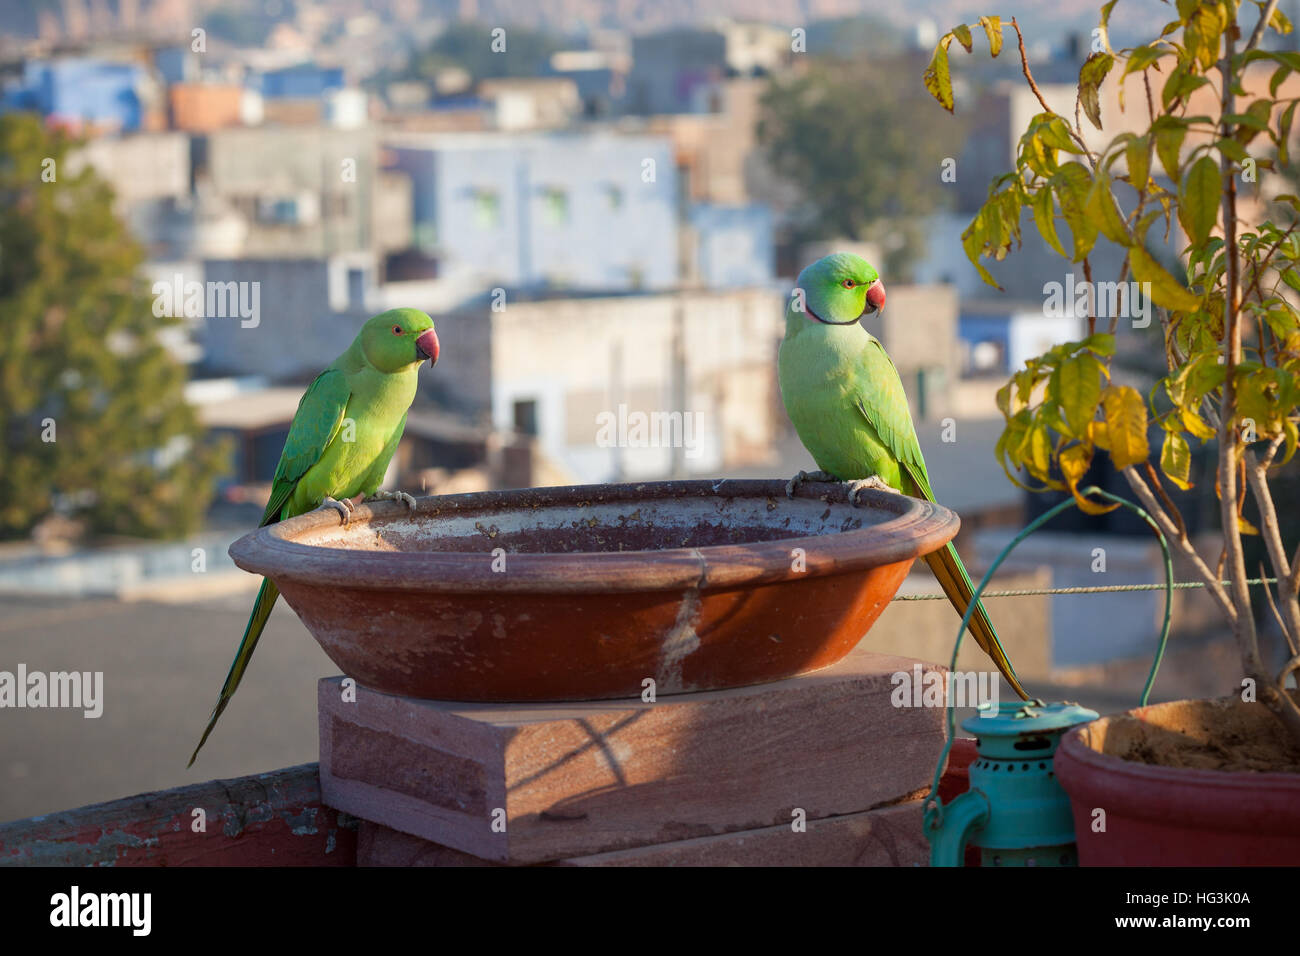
point(1015, 811)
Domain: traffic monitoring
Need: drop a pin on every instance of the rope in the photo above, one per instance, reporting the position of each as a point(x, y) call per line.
point(1098, 589)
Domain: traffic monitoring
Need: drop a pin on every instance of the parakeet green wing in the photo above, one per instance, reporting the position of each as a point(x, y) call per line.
point(888, 416)
point(318, 419)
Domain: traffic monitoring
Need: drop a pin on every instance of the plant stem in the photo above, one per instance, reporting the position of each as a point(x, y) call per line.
point(1178, 538)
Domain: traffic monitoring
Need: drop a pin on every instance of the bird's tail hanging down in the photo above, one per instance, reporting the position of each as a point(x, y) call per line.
point(266, 597)
point(954, 580)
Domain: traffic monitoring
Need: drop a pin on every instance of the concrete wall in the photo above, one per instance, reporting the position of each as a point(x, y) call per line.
point(139, 167)
point(578, 359)
point(545, 211)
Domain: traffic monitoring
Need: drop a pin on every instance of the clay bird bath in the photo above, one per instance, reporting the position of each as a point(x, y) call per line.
point(582, 593)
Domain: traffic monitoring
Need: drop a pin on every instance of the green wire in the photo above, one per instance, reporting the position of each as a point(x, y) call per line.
point(933, 809)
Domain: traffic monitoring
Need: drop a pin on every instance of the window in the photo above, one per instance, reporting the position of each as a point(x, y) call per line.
point(556, 210)
point(487, 209)
point(526, 416)
point(356, 288)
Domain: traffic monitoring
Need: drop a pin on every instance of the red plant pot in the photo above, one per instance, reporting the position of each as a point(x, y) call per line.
point(1155, 815)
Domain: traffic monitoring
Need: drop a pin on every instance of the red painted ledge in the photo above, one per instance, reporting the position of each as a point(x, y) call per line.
point(270, 819)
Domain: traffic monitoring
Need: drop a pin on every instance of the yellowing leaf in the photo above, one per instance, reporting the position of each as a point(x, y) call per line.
point(1091, 74)
point(937, 79)
point(1166, 291)
point(1074, 465)
point(993, 30)
point(1176, 459)
point(1126, 425)
point(962, 33)
point(1038, 457)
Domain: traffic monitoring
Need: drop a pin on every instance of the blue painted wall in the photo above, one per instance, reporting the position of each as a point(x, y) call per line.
point(77, 90)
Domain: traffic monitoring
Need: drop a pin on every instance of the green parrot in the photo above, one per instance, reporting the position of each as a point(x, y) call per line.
point(340, 442)
point(847, 403)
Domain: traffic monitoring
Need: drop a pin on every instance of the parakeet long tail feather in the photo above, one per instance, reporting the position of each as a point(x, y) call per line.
point(266, 597)
point(956, 583)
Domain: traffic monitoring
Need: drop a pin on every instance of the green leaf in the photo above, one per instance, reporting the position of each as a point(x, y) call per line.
point(1279, 77)
point(1072, 183)
point(1284, 134)
point(1078, 390)
point(1100, 343)
point(993, 30)
point(1137, 157)
point(1103, 211)
point(1283, 320)
point(1198, 200)
point(1105, 16)
point(1176, 460)
point(1169, 143)
point(1232, 149)
point(1091, 74)
point(1166, 291)
point(1045, 219)
point(973, 241)
point(1054, 133)
point(962, 33)
point(1141, 57)
point(1126, 425)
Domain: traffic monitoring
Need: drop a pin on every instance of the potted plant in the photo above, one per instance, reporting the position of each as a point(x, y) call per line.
point(1209, 781)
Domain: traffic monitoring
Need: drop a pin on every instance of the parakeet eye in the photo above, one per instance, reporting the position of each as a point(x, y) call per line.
point(397, 330)
point(849, 283)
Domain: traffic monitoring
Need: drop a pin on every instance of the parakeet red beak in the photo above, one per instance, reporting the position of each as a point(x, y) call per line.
point(426, 343)
point(875, 296)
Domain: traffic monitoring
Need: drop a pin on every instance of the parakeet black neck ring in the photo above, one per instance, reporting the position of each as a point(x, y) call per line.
point(808, 311)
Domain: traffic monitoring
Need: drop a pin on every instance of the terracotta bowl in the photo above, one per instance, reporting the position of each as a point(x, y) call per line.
point(588, 592)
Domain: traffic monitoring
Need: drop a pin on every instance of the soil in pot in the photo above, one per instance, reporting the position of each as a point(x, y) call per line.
point(1225, 734)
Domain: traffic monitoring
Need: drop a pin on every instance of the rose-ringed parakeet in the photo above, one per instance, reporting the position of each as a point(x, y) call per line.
point(843, 394)
point(340, 442)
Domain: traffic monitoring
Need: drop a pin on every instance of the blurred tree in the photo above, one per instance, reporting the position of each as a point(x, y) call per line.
point(864, 150)
point(470, 46)
point(92, 418)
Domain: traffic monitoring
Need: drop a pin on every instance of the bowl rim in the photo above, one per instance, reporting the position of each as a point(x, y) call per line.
point(917, 528)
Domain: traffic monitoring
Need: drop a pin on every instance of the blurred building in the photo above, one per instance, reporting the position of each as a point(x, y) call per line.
point(623, 387)
point(733, 246)
point(84, 93)
point(668, 67)
point(204, 107)
point(590, 212)
point(310, 190)
point(528, 103)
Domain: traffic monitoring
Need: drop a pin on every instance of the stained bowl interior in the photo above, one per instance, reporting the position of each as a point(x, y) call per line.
point(560, 523)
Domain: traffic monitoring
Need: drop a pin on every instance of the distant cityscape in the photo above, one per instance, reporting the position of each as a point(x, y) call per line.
point(604, 232)
point(584, 197)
